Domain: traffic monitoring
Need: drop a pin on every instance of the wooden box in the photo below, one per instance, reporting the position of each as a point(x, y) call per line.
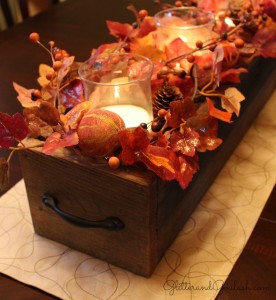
point(138, 215)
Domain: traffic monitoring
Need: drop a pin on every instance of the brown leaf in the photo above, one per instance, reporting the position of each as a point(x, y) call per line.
point(25, 96)
point(48, 113)
point(4, 173)
point(232, 100)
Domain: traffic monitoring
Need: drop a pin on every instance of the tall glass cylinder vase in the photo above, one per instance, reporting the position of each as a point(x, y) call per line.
point(120, 83)
point(188, 23)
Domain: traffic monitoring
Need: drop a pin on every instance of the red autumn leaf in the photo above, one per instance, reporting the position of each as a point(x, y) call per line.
point(64, 70)
point(136, 147)
point(12, 127)
point(55, 141)
point(120, 30)
point(5, 136)
point(176, 48)
point(133, 140)
point(264, 35)
point(25, 96)
point(146, 27)
point(188, 166)
point(232, 75)
point(160, 160)
point(185, 141)
point(186, 85)
point(270, 9)
point(208, 142)
point(217, 113)
point(269, 49)
point(162, 140)
point(207, 128)
point(211, 5)
point(265, 41)
point(72, 94)
point(181, 110)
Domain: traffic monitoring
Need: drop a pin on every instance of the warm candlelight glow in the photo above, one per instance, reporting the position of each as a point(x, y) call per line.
point(120, 85)
point(229, 22)
point(189, 24)
point(131, 114)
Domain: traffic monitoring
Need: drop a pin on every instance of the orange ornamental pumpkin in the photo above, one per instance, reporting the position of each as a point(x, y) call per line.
point(98, 132)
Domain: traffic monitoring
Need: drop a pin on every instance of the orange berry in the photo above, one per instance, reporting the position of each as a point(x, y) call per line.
point(142, 13)
point(212, 47)
point(239, 43)
point(50, 74)
point(34, 37)
point(162, 113)
point(114, 162)
point(51, 44)
point(35, 94)
point(57, 65)
point(58, 56)
point(178, 3)
point(190, 58)
point(199, 44)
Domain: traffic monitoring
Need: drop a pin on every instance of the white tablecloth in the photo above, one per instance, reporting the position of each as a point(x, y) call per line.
point(194, 267)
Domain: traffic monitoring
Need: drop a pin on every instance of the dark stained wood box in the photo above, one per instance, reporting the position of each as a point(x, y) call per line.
point(151, 212)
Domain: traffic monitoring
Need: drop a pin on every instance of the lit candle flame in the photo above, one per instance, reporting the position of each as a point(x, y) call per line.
point(229, 22)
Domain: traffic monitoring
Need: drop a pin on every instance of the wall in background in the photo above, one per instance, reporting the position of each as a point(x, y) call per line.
point(35, 7)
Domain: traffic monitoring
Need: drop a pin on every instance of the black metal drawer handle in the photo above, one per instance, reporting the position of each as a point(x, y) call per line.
point(110, 223)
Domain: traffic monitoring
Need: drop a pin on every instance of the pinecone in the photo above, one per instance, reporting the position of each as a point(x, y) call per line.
point(164, 96)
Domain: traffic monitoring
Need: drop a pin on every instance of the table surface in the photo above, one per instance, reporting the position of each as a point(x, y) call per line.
point(78, 26)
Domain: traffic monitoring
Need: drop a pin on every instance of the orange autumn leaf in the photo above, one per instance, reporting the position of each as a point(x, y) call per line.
point(72, 118)
point(160, 161)
point(217, 113)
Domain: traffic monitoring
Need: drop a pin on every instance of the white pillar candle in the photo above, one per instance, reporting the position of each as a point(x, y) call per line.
point(132, 115)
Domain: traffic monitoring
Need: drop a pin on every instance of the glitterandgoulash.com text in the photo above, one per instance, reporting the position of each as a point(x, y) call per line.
point(174, 286)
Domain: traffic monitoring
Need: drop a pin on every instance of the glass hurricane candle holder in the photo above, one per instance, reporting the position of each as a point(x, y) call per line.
point(120, 83)
point(188, 23)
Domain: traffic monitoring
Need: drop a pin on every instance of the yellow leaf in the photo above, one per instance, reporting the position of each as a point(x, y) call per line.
point(144, 46)
point(43, 69)
point(151, 52)
point(43, 81)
